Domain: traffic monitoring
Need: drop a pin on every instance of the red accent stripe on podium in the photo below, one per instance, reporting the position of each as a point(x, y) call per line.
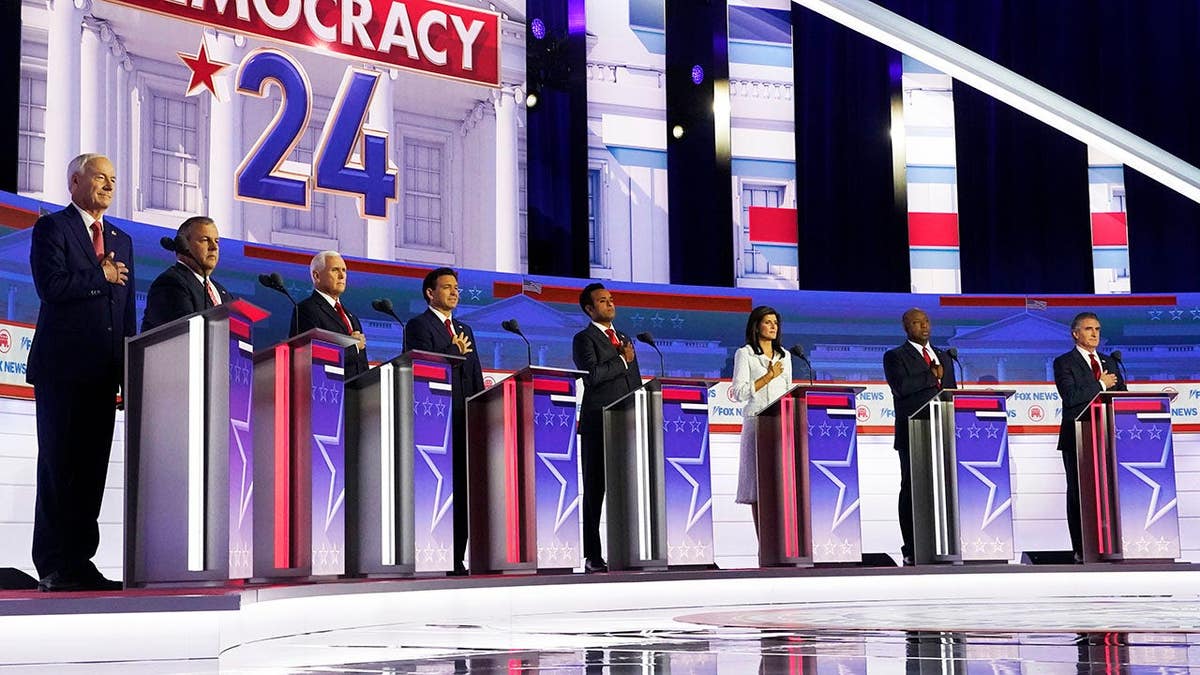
point(829, 400)
point(512, 519)
point(239, 328)
point(1140, 405)
point(283, 456)
point(787, 417)
point(978, 403)
point(552, 385)
point(1062, 301)
point(304, 258)
point(627, 298)
point(683, 394)
point(429, 371)
point(1101, 481)
point(326, 354)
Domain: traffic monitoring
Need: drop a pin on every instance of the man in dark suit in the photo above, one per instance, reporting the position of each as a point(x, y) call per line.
point(83, 272)
point(436, 330)
point(916, 371)
point(606, 356)
point(323, 309)
point(187, 286)
point(1079, 375)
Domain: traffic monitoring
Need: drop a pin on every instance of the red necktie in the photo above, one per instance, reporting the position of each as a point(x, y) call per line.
point(212, 293)
point(612, 337)
point(98, 239)
point(337, 304)
point(925, 353)
point(1095, 365)
point(449, 328)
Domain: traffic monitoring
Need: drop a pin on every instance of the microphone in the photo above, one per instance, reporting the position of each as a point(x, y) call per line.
point(275, 282)
point(168, 243)
point(1117, 356)
point(512, 326)
point(384, 306)
point(649, 339)
point(798, 352)
point(952, 352)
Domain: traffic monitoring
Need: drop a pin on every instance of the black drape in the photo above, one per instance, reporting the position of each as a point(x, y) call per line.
point(699, 171)
point(556, 142)
point(10, 80)
point(851, 221)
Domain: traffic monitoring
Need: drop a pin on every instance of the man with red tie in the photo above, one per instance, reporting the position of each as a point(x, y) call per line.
point(606, 356)
point(1079, 375)
point(323, 309)
point(916, 371)
point(187, 286)
point(82, 269)
point(436, 330)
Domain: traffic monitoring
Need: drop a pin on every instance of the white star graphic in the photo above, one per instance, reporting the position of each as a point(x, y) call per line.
point(440, 507)
point(564, 508)
point(990, 511)
point(1153, 511)
point(694, 511)
point(841, 511)
point(333, 502)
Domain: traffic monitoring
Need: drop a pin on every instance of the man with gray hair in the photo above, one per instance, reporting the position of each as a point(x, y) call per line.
point(187, 286)
point(323, 309)
point(82, 269)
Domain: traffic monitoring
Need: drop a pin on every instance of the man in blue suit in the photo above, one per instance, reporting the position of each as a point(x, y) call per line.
point(1079, 375)
point(187, 286)
point(436, 330)
point(916, 371)
point(83, 273)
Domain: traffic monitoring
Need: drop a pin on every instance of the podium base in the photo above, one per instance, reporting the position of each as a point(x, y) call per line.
point(878, 560)
point(1047, 558)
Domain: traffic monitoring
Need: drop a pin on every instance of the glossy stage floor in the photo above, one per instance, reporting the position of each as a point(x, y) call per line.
point(988, 619)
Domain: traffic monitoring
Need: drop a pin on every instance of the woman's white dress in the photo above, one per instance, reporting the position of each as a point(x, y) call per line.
point(748, 367)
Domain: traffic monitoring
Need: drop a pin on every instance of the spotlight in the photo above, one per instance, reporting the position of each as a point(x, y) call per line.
point(538, 28)
point(531, 99)
point(677, 131)
point(697, 74)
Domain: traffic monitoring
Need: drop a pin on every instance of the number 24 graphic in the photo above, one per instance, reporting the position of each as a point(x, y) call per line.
point(260, 177)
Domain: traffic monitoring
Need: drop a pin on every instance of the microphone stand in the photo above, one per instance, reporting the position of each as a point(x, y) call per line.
point(513, 327)
point(384, 306)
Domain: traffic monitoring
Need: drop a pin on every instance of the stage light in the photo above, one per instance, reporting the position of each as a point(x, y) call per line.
point(677, 131)
point(697, 74)
point(531, 99)
point(538, 28)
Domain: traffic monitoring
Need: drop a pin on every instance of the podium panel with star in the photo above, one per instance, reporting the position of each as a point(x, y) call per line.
point(984, 480)
point(1127, 478)
point(687, 476)
point(189, 452)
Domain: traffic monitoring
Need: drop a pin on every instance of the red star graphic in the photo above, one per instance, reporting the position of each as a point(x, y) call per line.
point(203, 70)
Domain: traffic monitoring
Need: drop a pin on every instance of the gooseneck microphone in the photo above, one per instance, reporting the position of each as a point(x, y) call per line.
point(384, 306)
point(172, 244)
point(275, 282)
point(952, 352)
point(512, 326)
point(1117, 356)
point(798, 352)
point(649, 339)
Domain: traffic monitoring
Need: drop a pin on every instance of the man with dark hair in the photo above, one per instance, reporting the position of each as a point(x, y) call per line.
point(83, 272)
point(323, 309)
point(1079, 375)
point(606, 356)
point(436, 330)
point(187, 286)
point(916, 371)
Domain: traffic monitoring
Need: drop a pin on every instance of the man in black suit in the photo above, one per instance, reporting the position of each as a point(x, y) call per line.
point(436, 330)
point(916, 371)
point(83, 272)
point(606, 356)
point(187, 286)
point(323, 309)
point(1079, 375)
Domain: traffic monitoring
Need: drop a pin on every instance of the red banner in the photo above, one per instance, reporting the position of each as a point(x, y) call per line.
point(423, 35)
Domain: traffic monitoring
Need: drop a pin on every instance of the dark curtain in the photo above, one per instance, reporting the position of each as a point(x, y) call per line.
point(851, 219)
point(10, 81)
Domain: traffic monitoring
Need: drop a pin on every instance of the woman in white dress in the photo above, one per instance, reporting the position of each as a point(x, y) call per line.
point(762, 371)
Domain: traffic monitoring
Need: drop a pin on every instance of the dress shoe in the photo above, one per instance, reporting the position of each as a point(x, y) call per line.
point(907, 561)
point(459, 570)
point(61, 582)
point(598, 565)
point(1078, 557)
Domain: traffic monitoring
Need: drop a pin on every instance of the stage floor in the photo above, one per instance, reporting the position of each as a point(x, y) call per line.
point(1003, 619)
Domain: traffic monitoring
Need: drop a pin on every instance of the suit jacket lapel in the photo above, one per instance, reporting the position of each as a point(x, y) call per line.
point(75, 224)
point(331, 313)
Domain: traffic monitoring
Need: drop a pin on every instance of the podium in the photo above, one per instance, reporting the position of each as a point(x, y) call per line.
point(962, 505)
point(1127, 477)
point(188, 462)
point(299, 459)
point(399, 482)
point(807, 457)
point(523, 467)
point(658, 475)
